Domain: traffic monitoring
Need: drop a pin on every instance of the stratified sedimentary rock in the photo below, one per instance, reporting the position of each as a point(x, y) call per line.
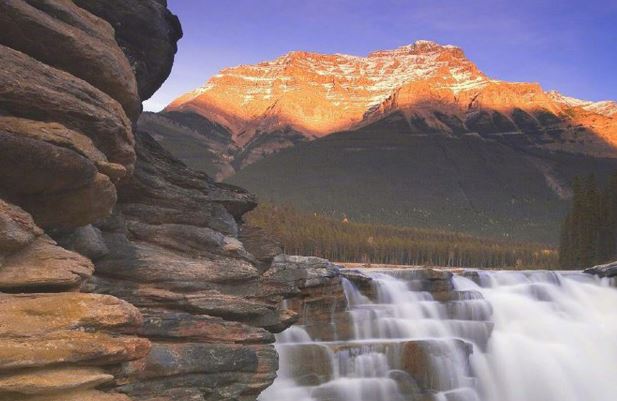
point(67, 37)
point(68, 99)
point(147, 32)
point(209, 287)
point(123, 273)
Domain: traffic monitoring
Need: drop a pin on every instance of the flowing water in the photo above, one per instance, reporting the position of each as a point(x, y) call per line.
point(490, 336)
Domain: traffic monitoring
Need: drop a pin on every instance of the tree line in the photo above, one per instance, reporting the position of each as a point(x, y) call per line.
point(589, 231)
point(347, 241)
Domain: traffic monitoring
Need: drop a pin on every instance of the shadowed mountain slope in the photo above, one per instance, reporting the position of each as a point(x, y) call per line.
point(390, 172)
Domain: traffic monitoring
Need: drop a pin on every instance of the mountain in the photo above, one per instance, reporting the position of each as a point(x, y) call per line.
point(389, 173)
point(607, 107)
point(302, 96)
point(423, 137)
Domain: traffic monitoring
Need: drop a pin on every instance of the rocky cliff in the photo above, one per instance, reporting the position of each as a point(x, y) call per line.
point(123, 273)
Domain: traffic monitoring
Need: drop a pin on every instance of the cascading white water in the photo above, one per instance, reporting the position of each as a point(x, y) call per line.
point(491, 336)
point(555, 338)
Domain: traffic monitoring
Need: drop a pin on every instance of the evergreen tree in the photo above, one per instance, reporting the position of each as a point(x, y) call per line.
point(589, 230)
point(566, 251)
point(588, 224)
point(348, 241)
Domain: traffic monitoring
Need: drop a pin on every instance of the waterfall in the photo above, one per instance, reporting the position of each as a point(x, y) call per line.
point(471, 336)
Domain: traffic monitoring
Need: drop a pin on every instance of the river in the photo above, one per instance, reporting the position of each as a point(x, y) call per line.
point(491, 336)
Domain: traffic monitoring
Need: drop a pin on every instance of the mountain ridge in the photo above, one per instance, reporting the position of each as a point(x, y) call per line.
point(310, 95)
point(417, 136)
point(423, 59)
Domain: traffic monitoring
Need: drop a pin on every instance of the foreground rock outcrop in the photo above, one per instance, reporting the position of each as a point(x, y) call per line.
point(68, 100)
point(124, 275)
point(210, 303)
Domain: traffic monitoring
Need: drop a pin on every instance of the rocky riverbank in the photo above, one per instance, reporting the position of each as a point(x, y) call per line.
point(123, 274)
point(607, 270)
point(435, 335)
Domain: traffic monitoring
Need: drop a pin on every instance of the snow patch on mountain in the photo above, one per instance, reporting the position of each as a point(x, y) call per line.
point(605, 107)
point(317, 94)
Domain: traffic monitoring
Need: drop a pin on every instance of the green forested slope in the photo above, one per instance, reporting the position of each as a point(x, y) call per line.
point(349, 241)
point(387, 174)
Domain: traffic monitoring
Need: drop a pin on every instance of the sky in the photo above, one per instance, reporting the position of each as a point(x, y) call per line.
point(567, 45)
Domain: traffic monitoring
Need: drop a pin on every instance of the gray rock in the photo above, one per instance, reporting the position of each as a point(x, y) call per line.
point(147, 32)
point(202, 328)
point(17, 229)
point(606, 270)
point(50, 94)
point(87, 241)
point(301, 271)
point(64, 36)
point(144, 262)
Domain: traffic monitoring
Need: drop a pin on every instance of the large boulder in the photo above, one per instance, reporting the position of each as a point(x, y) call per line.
point(290, 273)
point(147, 32)
point(17, 228)
point(50, 94)
point(67, 37)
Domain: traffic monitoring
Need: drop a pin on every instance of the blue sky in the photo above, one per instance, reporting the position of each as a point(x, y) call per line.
point(568, 45)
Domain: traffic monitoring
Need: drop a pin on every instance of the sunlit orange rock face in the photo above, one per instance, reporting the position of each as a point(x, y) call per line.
point(318, 94)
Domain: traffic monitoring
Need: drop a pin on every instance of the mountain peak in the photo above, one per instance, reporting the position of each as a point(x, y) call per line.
point(417, 47)
point(321, 93)
point(316, 94)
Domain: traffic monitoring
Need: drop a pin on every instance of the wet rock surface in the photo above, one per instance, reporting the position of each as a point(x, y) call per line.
point(605, 270)
point(395, 334)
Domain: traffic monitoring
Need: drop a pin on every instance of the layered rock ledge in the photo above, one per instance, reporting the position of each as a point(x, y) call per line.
point(69, 98)
point(210, 289)
point(124, 275)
